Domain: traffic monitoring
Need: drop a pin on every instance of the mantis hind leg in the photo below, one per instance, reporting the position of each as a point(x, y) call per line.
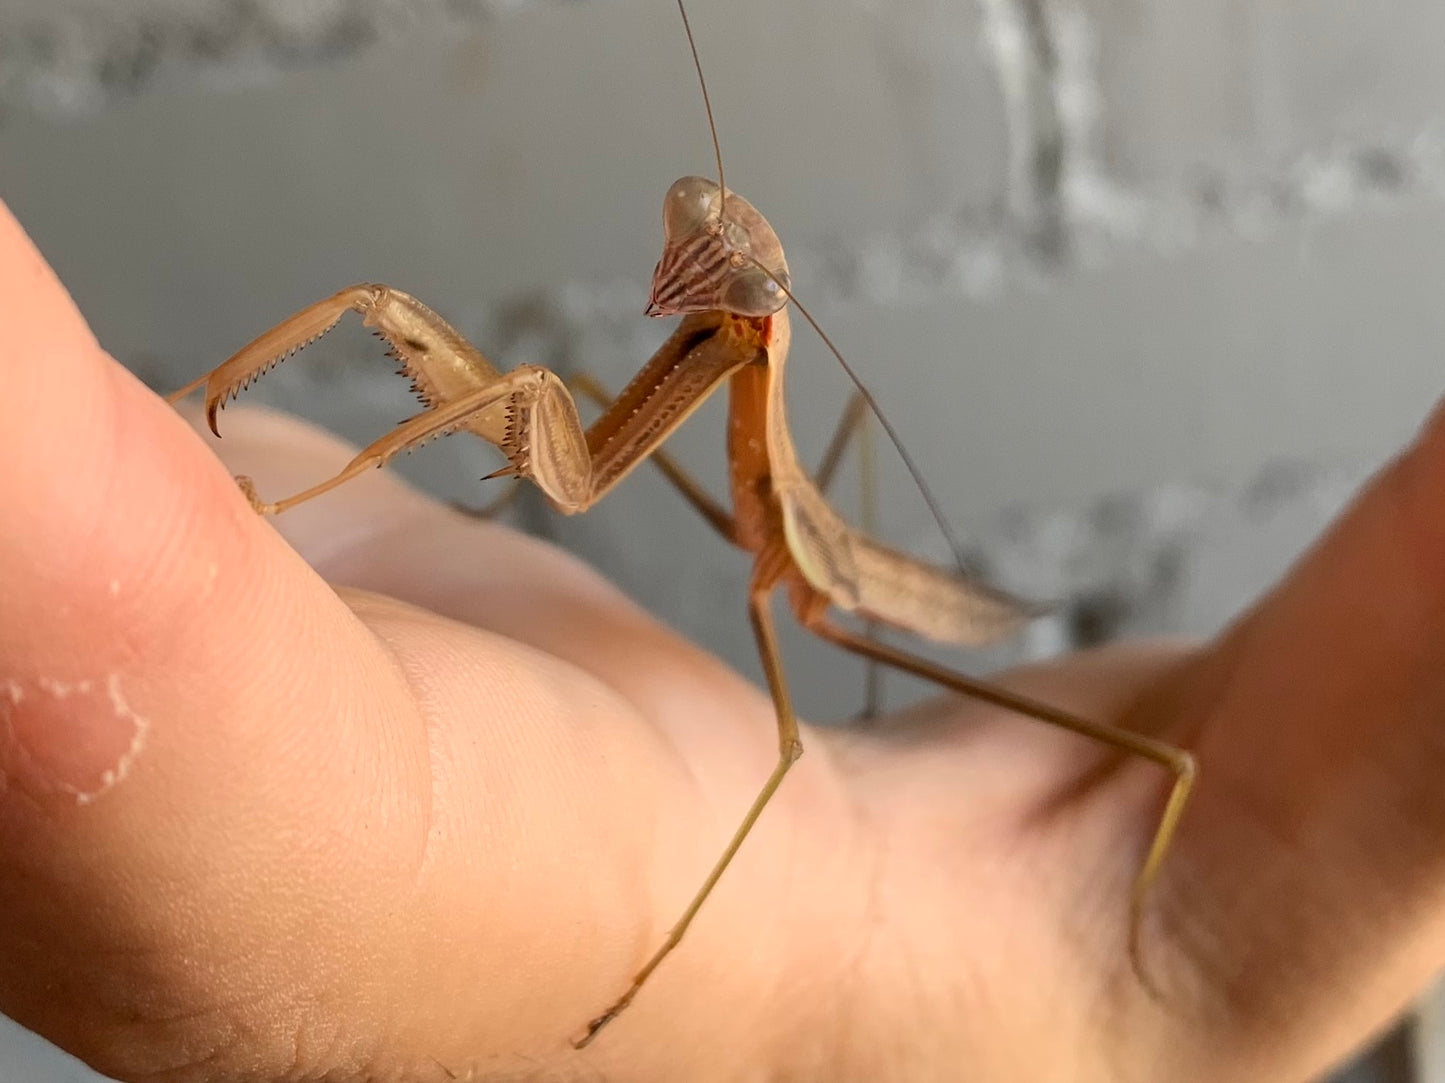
point(812, 614)
point(772, 563)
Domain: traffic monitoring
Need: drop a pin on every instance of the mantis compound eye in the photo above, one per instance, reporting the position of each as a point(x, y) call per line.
point(752, 292)
point(715, 250)
point(687, 206)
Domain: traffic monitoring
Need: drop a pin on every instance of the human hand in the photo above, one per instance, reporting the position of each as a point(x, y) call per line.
point(427, 823)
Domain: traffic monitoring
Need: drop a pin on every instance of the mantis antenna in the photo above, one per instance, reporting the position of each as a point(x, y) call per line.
point(934, 508)
point(722, 188)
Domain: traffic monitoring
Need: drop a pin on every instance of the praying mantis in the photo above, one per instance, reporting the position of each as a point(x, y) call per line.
point(724, 272)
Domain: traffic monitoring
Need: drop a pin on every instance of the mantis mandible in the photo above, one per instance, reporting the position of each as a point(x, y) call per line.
point(723, 270)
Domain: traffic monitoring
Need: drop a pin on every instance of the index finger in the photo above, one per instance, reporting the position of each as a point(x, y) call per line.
point(163, 659)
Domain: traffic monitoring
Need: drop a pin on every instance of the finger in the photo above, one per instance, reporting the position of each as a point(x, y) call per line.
point(162, 726)
point(1312, 860)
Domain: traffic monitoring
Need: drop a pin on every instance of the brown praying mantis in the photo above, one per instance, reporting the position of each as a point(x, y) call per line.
point(723, 270)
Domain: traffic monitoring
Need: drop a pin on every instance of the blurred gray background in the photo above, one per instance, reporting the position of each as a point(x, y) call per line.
point(1148, 287)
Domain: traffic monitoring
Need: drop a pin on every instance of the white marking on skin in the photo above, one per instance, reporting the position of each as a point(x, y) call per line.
point(140, 730)
point(63, 689)
point(115, 588)
point(14, 693)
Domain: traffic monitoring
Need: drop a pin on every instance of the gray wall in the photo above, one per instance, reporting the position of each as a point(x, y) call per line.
point(1148, 287)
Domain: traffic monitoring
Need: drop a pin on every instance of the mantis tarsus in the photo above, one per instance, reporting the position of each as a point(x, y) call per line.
point(723, 270)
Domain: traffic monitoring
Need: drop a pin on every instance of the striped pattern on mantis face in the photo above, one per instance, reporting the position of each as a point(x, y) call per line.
point(723, 270)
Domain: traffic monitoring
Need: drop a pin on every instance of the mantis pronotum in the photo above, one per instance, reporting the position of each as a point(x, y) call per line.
point(722, 269)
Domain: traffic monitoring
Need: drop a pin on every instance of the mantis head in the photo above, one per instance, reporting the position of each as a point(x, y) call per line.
point(718, 254)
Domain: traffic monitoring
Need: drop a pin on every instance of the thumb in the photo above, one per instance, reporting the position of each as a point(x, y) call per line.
point(1312, 855)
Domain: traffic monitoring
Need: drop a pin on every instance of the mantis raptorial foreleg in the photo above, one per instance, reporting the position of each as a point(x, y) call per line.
point(717, 516)
point(850, 425)
point(585, 385)
point(525, 390)
point(527, 413)
point(461, 387)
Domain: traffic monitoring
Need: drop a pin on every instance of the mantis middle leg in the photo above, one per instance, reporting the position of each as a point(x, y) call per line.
point(768, 571)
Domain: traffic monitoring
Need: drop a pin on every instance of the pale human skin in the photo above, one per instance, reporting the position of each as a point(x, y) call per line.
point(349, 837)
